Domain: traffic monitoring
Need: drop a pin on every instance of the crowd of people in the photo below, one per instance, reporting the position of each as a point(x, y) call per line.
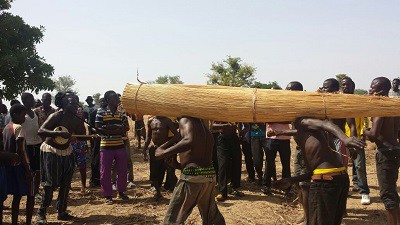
point(42, 146)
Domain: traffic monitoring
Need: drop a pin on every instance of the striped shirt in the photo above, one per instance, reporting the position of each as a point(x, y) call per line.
point(105, 117)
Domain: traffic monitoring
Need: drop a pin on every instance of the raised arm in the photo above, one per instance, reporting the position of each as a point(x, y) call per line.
point(183, 145)
point(316, 124)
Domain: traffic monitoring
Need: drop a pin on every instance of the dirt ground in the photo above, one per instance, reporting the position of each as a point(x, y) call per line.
point(253, 208)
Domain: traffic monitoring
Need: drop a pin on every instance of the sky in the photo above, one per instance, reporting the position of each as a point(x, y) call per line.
point(101, 43)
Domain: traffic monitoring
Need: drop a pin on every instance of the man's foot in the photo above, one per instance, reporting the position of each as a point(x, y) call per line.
point(131, 185)
point(65, 216)
point(266, 191)
point(220, 198)
point(123, 196)
point(236, 193)
point(85, 191)
point(114, 187)
point(157, 197)
point(109, 201)
point(365, 200)
point(41, 219)
point(152, 188)
point(355, 188)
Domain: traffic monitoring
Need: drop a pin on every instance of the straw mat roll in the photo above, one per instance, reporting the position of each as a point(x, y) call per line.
point(230, 104)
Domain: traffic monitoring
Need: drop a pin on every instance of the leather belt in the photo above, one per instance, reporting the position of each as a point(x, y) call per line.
point(328, 176)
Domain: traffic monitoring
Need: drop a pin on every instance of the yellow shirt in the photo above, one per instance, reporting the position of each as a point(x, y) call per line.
point(361, 123)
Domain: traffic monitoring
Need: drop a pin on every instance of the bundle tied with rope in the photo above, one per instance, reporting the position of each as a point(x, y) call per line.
point(231, 104)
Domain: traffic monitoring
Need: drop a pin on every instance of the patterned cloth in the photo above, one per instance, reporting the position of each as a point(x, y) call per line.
point(79, 150)
point(106, 117)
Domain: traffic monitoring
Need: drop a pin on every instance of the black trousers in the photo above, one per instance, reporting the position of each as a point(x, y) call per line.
point(95, 162)
point(387, 170)
point(327, 200)
point(274, 146)
point(248, 158)
point(229, 163)
point(158, 168)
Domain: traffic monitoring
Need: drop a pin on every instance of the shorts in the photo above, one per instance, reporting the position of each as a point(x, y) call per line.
point(300, 167)
point(327, 200)
point(16, 181)
point(79, 150)
point(34, 156)
point(387, 170)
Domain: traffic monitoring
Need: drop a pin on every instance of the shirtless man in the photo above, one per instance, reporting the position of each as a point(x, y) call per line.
point(158, 128)
point(330, 186)
point(384, 133)
point(197, 181)
point(57, 162)
point(331, 85)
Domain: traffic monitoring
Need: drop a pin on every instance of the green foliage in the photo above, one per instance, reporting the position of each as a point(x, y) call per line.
point(5, 4)
point(167, 80)
point(96, 98)
point(231, 72)
point(269, 85)
point(65, 83)
point(360, 92)
point(340, 77)
point(21, 68)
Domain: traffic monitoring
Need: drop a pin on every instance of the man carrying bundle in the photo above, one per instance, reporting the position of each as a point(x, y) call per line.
point(384, 133)
point(331, 85)
point(330, 186)
point(360, 183)
point(197, 181)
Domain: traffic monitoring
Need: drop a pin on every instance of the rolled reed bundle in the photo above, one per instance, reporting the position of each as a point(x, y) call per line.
point(230, 104)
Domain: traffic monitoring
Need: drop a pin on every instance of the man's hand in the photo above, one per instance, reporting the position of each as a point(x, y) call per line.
point(271, 133)
point(159, 152)
point(353, 142)
point(283, 184)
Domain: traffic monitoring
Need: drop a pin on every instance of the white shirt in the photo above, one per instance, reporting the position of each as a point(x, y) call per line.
point(31, 128)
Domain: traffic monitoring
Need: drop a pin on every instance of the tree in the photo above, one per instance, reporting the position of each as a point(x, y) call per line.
point(360, 92)
point(269, 85)
point(96, 98)
point(65, 83)
point(167, 80)
point(341, 76)
point(21, 68)
point(231, 72)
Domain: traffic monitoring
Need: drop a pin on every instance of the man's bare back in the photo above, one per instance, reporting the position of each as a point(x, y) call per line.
point(200, 153)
